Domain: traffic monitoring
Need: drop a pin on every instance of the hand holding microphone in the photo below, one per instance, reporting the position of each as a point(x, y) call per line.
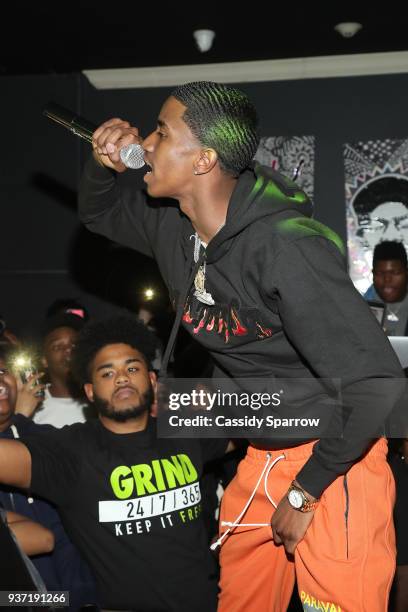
point(116, 144)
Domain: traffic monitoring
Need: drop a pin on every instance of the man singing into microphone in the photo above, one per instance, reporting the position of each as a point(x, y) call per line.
point(264, 288)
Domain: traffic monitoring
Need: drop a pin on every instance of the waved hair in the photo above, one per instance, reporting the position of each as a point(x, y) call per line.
point(221, 118)
point(382, 190)
point(115, 330)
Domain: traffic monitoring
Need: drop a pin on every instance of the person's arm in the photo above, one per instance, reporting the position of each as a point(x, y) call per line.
point(44, 461)
point(56, 461)
point(332, 328)
point(33, 538)
point(105, 208)
point(115, 208)
point(15, 464)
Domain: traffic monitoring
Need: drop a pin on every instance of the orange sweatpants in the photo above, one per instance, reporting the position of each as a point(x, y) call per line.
point(346, 560)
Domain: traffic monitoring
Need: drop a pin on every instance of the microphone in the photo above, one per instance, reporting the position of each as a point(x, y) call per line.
point(132, 155)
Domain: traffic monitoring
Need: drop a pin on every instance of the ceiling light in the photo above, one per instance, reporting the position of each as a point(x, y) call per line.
point(204, 39)
point(347, 29)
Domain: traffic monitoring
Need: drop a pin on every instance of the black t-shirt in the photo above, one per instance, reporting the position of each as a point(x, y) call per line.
point(131, 504)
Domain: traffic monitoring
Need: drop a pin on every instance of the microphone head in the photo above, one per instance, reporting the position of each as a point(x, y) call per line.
point(132, 156)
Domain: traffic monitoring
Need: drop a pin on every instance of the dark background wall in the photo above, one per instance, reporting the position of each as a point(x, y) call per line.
point(45, 254)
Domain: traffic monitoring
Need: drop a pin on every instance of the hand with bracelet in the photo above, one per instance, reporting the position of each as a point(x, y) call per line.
point(292, 517)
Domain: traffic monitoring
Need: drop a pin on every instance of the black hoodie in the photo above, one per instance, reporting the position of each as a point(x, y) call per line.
point(284, 304)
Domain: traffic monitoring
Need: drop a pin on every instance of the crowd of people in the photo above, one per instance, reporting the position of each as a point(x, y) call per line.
point(129, 517)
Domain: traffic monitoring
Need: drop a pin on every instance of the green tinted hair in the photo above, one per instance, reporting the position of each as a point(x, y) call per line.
point(221, 118)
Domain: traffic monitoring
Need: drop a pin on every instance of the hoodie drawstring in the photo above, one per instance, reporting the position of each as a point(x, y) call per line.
point(237, 523)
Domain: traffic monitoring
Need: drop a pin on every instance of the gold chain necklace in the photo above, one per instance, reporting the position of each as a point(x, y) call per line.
point(199, 282)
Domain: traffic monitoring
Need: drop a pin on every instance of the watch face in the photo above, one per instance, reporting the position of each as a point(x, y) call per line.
point(295, 499)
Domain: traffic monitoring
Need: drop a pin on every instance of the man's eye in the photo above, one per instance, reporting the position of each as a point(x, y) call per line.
point(107, 374)
point(59, 347)
point(376, 225)
point(161, 134)
point(402, 225)
point(133, 369)
point(3, 372)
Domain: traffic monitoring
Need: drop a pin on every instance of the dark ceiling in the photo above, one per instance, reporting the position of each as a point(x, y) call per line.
point(53, 38)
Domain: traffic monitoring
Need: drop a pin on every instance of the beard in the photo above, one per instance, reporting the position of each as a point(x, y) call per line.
point(105, 408)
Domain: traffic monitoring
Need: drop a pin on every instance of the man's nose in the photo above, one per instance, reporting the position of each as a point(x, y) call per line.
point(390, 232)
point(122, 377)
point(148, 143)
point(387, 278)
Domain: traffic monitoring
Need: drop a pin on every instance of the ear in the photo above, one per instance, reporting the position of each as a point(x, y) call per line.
point(206, 161)
point(153, 380)
point(153, 407)
point(44, 362)
point(89, 392)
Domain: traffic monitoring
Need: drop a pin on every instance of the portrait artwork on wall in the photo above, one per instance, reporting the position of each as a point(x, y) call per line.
point(292, 156)
point(376, 181)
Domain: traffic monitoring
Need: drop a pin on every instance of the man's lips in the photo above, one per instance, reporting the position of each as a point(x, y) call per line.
point(149, 168)
point(389, 290)
point(124, 393)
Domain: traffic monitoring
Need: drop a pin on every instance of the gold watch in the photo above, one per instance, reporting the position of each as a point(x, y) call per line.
point(298, 500)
